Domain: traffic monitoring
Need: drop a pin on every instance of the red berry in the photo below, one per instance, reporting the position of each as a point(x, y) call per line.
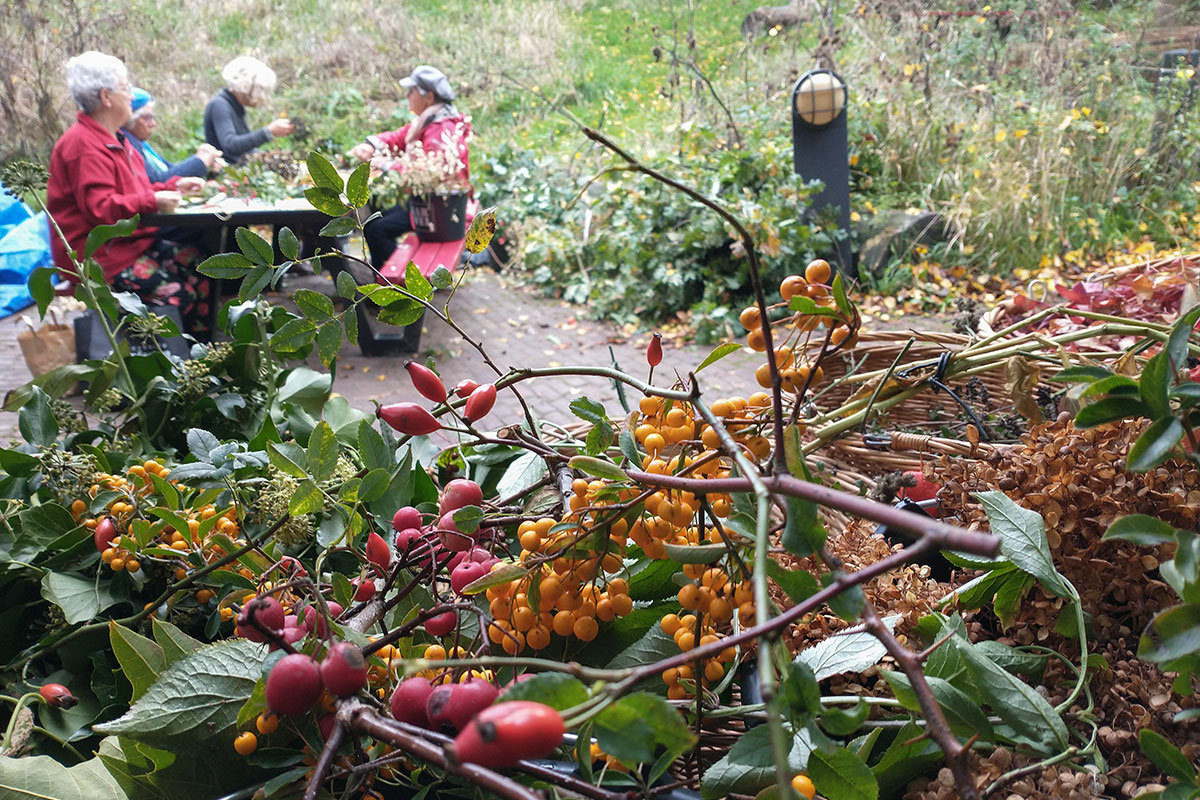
point(364, 590)
point(378, 552)
point(465, 387)
point(506, 733)
point(442, 624)
point(58, 696)
point(654, 350)
point(266, 612)
point(406, 517)
point(471, 697)
point(465, 574)
point(409, 699)
point(325, 726)
point(426, 382)
point(460, 493)
point(409, 418)
point(313, 625)
point(437, 705)
point(1194, 374)
point(344, 670)
point(450, 536)
point(293, 685)
point(480, 403)
point(105, 533)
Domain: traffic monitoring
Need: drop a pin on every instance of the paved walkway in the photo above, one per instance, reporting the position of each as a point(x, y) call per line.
point(518, 328)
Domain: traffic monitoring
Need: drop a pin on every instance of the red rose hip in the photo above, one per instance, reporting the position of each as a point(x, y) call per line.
point(344, 670)
point(506, 733)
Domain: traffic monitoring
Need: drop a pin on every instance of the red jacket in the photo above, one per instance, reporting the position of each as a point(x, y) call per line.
point(436, 136)
point(97, 180)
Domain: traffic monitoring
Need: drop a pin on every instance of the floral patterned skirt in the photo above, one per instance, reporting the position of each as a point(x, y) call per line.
point(165, 275)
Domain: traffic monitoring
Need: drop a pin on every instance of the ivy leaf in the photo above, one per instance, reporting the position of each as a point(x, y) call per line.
point(554, 689)
point(197, 697)
point(1023, 539)
point(640, 726)
point(41, 288)
point(842, 776)
point(141, 659)
point(254, 247)
point(36, 421)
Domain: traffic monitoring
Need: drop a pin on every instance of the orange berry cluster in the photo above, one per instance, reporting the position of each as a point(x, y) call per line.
point(711, 598)
point(796, 372)
point(437, 676)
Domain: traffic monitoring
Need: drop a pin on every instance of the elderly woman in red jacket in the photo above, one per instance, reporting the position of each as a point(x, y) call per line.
point(98, 178)
point(437, 126)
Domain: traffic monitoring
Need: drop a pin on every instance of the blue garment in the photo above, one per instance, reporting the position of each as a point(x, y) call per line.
point(24, 246)
point(158, 169)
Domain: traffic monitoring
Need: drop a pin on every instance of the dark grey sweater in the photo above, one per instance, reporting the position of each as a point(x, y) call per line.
point(225, 127)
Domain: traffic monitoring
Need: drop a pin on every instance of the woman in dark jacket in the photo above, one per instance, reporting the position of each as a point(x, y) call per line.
point(138, 130)
point(248, 82)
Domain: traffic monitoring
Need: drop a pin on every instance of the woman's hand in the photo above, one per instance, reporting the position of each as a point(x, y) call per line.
point(363, 152)
point(168, 201)
point(210, 156)
point(281, 127)
point(190, 185)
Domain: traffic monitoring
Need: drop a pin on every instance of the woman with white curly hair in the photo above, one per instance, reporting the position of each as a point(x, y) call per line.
point(248, 83)
point(98, 178)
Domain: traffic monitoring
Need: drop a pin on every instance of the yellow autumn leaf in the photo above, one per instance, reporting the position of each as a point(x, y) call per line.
point(482, 229)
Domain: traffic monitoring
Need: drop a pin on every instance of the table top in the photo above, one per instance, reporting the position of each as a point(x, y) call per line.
point(240, 211)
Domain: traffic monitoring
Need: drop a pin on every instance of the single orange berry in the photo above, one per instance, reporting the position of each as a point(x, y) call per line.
point(245, 743)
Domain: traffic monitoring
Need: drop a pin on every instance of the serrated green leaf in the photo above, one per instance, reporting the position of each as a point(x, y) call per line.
point(289, 245)
point(554, 689)
point(402, 312)
point(347, 287)
point(842, 776)
point(329, 342)
point(337, 227)
point(415, 282)
point(307, 499)
point(323, 174)
point(254, 247)
point(589, 411)
point(255, 282)
point(749, 766)
point(288, 458)
point(371, 447)
point(293, 335)
point(640, 726)
point(1023, 539)
point(358, 190)
point(175, 643)
point(327, 201)
point(719, 352)
point(441, 278)
point(350, 323)
point(322, 454)
point(197, 697)
point(314, 305)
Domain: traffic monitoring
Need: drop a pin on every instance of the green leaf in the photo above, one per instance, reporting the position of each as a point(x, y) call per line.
point(505, 574)
point(848, 603)
point(289, 245)
point(322, 452)
point(842, 776)
point(839, 294)
point(327, 201)
point(382, 295)
point(909, 754)
point(629, 449)
point(358, 190)
point(374, 485)
point(806, 305)
point(838, 722)
point(1110, 409)
point(639, 727)
point(467, 519)
point(293, 335)
point(416, 284)
point(1024, 710)
point(314, 305)
point(255, 282)
point(963, 715)
point(338, 226)
point(307, 499)
point(1141, 529)
point(1154, 384)
point(347, 287)
point(329, 342)
point(103, 234)
point(719, 352)
point(654, 645)
point(36, 421)
point(323, 174)
point(1155, 444)
point(254, 247)
point(597, 468)
point(749, 766)
point(843, 652)
point(41, 288)
point(1009, 595)
point(402, 312)
point(1166, 756)
point(589, 411)
point(799, 692)
point(1110, 384)
point(554, 689)
point(81, 599)
point(175, 643)
point(371, 448)
point(1080, 374)
point(1023, 539)
point(441, 278)
point(1181, 332)
point(350, 323)
point(141, 659)
point(803, 531)
point(696, 553)
point(1172, 640)
point(42, 524)
point(798, 584)
point(287, 457)
point(197, 697)
point(43, 778)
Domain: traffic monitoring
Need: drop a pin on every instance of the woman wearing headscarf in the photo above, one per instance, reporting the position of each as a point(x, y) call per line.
point(97, 178)
point(248, 83)
point(141, 125)
point(437, 125)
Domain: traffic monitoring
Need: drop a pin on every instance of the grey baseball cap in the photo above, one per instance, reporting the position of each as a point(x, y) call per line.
point(429, 79)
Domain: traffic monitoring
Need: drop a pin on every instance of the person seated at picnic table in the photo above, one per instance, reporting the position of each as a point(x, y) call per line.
point(437, 126)
point(97, 178)
point(139, 128)
point(248, 83)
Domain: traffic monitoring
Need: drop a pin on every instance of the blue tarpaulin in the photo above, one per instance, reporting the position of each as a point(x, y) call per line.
point(24, 246)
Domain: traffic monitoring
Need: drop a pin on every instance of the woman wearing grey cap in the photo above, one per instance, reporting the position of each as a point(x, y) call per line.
point(437, 125)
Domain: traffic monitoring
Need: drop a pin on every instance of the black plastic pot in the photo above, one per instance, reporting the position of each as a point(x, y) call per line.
point(439, 217)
